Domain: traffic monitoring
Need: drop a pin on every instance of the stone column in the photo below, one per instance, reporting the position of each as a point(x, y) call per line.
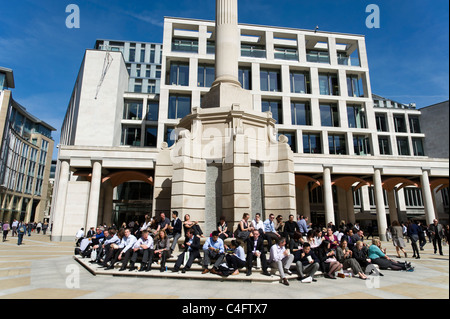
point(58, 213)
point(328, 195)
point(392, 207)
point(227, 42)
point(94, 194)
point(427, 196)
point(350, 207)
point(379, 202)
point(108, 204)
point(306, 209)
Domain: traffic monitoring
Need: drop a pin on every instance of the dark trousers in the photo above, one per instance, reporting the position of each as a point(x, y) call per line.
point(269, 236)
point(212, 255)
point(147, 256)
point(164, 255)
point(437, 243)
point(192, 256)
point(251, 258)
point(234, 262)
point(5, 234)
point(20, 239)
point(125, 258)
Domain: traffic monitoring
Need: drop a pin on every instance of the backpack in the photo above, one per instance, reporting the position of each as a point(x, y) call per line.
point(22, 229)
point(224, 270)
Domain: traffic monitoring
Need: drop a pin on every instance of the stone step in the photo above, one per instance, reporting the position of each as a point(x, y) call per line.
point(193, 273)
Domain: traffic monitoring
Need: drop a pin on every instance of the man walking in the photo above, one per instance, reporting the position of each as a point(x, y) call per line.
point(14, 226)
point(21, 230)
point(436, 231)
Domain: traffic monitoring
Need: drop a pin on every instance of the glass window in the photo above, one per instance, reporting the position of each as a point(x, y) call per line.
point(300, 82)
point(418, 147)
point(354, 86)
point(206, 75)
point(158, 72)
point(337, 144)
point(185, 45)
point(329, 115)
point(211, 47)
point(312, 143)
point(381, 122)
point(275, 108)
point(356, 117)
point(152, 55)
point(301, 113)
point(317, 56)
point(132, 110)
point(151, 88)
point(253, 51)
point(245, 77)
point(383, 142)
point(179, 74)
point(142, 55)
point(328, 84)
point(270, 80)
point(400, 124)
point(170, 136)
point(132, 56)
point(291, 140)
point(414, 124)
point(286, 54)
point(403, 146)
point(138, 86)
point(152, 111)
point(179, 106)
point(131, 136)
point(151, 133)
point(361, 145)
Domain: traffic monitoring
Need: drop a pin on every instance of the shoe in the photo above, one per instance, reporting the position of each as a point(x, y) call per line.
point(287, 271)
point(314, 280)
point(183, 271)
point(307, 280)
point(214, 271)
point(266, 273)
point(132, 268)
point(205, 271)
point(249, 273)
point(329, 276)
point(441, 254)
point(410, 269)
point(122, 269)
point(236, 272)
point(143, 266)
point(285, 282)
point(406, 255)
point(418, 257)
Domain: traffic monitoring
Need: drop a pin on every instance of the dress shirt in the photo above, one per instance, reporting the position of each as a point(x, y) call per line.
point(113, 240)
point(142, 241)
point(258, 225)
point(240, 253)
point(218, 244)
point(303, 226)
point(127, 243)
point(276, 253)
point(269, 226)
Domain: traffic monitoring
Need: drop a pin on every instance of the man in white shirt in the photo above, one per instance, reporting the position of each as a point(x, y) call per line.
point(281, 259)
point(270, 231)
point(79, 236)
point(258, 224)
point(144, 247)
point(14, 226)
point(124, 251)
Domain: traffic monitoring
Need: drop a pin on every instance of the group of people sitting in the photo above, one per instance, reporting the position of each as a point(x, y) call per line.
point(309, 251)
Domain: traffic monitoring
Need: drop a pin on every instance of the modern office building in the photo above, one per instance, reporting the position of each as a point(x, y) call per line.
point(353, 156)
point(25, 157)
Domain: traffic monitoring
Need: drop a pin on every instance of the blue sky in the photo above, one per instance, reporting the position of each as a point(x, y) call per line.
point(408, 55)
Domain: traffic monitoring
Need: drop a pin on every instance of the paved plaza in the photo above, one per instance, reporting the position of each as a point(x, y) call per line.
point(41, 269)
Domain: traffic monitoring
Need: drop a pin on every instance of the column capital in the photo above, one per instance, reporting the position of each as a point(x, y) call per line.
point(426, 169)
point(96, 159)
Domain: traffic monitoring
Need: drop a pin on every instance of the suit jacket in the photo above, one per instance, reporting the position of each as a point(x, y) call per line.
point(195, 246)
point(259, 245)
point(438, 230)
point(177, 226)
